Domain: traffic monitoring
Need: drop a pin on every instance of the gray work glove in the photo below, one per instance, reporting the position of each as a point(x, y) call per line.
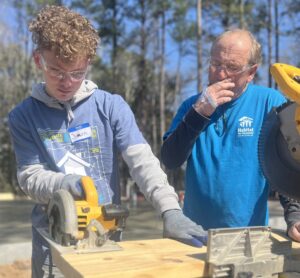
point(177, 226)
point(72, 183)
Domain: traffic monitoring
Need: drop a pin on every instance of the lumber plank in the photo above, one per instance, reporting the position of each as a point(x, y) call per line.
point(143, 258)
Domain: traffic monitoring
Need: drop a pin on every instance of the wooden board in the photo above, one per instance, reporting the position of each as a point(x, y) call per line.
point(143, 258)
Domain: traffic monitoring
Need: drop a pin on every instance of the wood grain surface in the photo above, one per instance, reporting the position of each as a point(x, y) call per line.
point(142, 258)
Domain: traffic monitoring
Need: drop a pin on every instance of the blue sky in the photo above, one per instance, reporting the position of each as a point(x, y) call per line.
point(6, 12)
point(189, 62)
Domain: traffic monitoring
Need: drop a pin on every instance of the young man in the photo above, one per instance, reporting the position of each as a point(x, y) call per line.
point(68, 128)
point(217, 133)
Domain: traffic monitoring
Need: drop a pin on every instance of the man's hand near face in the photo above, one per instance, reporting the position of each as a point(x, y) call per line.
point(213, 96)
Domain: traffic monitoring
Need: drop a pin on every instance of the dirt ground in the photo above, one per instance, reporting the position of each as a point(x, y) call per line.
point(19, 269)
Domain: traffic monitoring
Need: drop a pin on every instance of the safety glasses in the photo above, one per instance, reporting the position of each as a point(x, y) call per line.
point(62, 75)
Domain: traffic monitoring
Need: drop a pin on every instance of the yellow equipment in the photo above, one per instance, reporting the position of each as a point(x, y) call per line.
point(279, 143)
point(84, 223)
point(288, 80)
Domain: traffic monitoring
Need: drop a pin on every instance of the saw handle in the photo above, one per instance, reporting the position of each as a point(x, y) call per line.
point(117, 212)
point(287, 77)
point(90, 191)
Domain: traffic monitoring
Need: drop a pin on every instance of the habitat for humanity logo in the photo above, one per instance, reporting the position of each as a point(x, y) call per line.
point(245, 128)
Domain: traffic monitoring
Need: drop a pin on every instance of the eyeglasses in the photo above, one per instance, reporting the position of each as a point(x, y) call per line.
point(61, 75)
point(230, 69)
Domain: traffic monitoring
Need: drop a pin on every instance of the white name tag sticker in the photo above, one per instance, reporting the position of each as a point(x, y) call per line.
point(80, 132)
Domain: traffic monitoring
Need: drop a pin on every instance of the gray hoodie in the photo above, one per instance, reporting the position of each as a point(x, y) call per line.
point(39, 182)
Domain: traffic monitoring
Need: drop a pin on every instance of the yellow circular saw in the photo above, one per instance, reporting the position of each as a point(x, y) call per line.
point(279, 141)
point(84, 223)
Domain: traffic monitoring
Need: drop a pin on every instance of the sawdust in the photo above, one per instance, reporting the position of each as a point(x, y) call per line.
point(18, 269)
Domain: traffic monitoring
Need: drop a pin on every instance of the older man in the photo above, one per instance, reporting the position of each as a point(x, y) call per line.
point(217, 133)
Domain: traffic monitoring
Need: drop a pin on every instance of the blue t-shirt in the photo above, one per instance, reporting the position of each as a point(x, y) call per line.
point(103, 126)
point(225, 186)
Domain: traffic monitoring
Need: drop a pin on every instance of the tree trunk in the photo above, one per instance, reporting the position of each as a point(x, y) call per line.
point(199, 45)
point(178, 75)
point(141, 93)
point(242, 15)
point(276, 33)
point(269, 29)
point(155, 139)
point(162, 77)
point(115, 44)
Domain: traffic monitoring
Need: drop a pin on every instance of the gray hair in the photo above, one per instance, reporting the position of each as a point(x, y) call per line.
point(255, 52)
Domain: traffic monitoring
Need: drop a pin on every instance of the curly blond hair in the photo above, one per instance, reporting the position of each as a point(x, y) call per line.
point(67, 33)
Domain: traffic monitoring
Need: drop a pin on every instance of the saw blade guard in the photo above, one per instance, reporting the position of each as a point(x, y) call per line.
point(71, 221)
point(63, 227)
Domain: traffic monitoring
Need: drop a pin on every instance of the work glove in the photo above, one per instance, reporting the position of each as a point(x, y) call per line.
point(177, 226)
point(72, 183)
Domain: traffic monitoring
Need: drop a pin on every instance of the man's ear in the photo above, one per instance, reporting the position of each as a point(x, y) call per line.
point(37, 59)
point(252, 72)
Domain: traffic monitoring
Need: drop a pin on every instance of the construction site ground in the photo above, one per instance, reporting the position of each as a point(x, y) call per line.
point(15, 231)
